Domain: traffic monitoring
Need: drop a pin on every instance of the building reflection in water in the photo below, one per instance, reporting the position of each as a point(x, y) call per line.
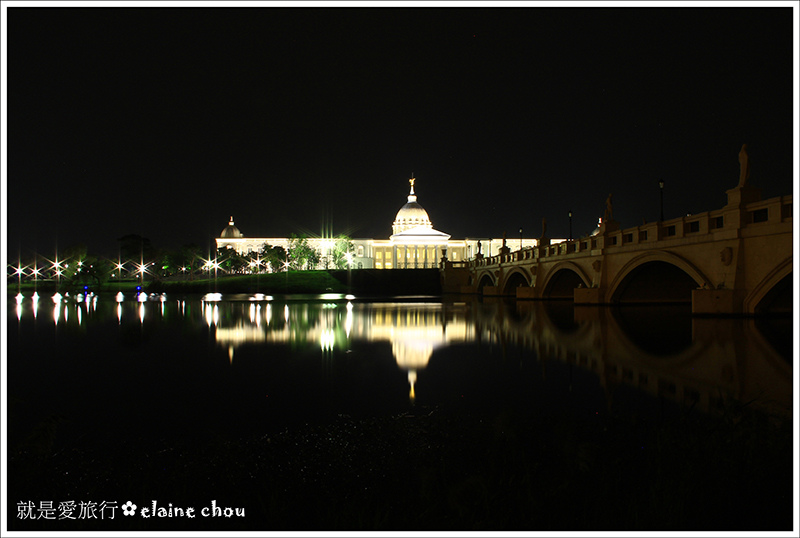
point(662, 351)
point(414, 330)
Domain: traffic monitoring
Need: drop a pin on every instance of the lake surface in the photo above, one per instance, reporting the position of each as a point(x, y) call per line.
point(94, 381)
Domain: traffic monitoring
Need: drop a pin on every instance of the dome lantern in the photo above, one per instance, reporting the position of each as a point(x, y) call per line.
point(411, 215)
point(231, 231)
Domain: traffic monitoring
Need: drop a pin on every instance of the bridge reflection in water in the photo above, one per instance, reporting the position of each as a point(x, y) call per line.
point(661, 350)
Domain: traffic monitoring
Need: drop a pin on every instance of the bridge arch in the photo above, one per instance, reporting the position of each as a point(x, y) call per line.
point(562, 278)
point(668, 267)
point(772, 287)
point(485, 279)
point(515, 279)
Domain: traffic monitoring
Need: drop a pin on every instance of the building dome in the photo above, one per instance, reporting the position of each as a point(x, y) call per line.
point(411, 215)
point(231, 231)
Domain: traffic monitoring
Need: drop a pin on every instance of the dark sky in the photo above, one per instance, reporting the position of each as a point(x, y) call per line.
point(164, 121)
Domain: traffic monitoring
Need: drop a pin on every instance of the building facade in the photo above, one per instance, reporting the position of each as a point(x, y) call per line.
point(414, 243)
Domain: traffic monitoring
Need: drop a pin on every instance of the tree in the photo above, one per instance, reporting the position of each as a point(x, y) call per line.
point(93, 271)
point(341, 247)
point(136, 248)
point(230, 260)
point(190, 258)
point(276, 257)
point(301, 254)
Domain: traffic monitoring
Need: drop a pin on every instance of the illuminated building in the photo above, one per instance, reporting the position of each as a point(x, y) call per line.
point(414, 243)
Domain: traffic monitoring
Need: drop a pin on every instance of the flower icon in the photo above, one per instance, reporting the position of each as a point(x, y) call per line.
point(129, 508)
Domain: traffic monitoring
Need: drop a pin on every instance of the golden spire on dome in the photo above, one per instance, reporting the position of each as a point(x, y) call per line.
point(412, 180)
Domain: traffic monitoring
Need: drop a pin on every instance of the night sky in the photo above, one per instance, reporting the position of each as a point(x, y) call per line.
point(163, 122)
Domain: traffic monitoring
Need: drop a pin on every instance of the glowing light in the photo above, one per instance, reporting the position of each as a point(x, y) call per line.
point(119, 312)
point(211, 264)
point(327, 339)
point(212, 297)
point(141, 312)
point(56, 314)
point(141, 296)
point(57, 298)
point(286, 312)
point(349, 298)
point(35, 297)
point(348, 320)
point(412, 380)
point(20, 297)
point(120, 297)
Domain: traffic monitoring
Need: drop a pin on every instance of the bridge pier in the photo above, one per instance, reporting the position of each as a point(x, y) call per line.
point(588, 296)
point(715, 302)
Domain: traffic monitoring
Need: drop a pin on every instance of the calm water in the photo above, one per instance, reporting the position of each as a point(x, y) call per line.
point(152, 372)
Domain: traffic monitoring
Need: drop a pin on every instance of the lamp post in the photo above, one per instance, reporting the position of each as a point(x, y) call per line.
point(520, 237)
point(570, 224)
point(661, 190)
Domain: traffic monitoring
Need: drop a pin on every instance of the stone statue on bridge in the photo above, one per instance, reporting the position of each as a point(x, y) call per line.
point(609, 213)
point(744, 166)
point(504, 250)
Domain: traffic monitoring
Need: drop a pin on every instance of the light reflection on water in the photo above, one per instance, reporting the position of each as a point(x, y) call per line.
point(663, 352)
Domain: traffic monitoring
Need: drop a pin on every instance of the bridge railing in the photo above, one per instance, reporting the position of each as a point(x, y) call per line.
point(760, 213)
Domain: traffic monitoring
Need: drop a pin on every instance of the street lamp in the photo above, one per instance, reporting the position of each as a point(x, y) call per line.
point(520, 237)
point(661, 190)
point(570, 224)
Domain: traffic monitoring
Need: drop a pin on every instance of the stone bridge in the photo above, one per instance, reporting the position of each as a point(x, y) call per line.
point(734, 260)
